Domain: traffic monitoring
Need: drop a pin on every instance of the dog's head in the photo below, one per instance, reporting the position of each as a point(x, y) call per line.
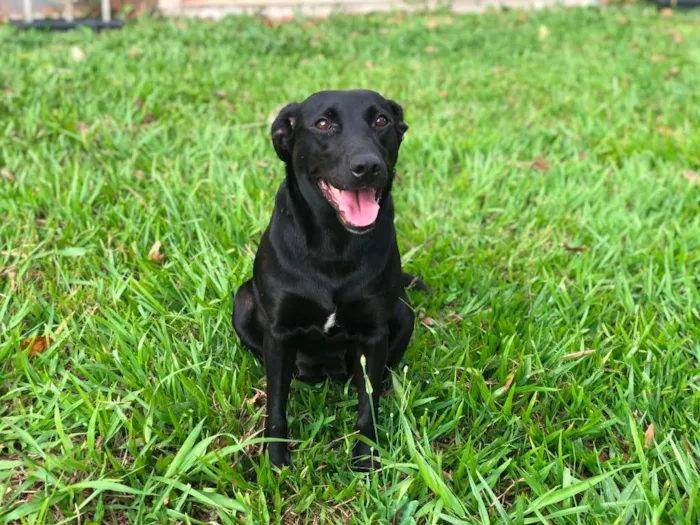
point(343, 146)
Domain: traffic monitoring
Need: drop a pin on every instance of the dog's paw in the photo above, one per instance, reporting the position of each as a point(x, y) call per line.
point(279, 454)
point(364, 458)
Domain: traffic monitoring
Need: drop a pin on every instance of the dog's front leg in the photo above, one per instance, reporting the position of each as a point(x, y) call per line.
point(368, 382)
point(279, 365)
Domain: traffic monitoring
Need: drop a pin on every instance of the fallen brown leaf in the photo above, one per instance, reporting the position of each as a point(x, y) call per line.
point(623, 20)
point(577, 249)
point(369, 65)
point(455, 317)
point(672, 73)
point(676, 36)
point(522, 17)
point(7, 174)
point(36, 345)
point(542, 164)
point(430, 50)
point(504, 389)
point(666, 131)
point(496, 70)
point(258, 396)
point(424, 319)
point(444, 94)
point(666, 12)
point(221, 93)
point(432, 23)
point(574, 355)
point(11, 276)
point(132, 52)
point(686, 445)
point(181, 25)
point(658, 58)
point(139, 103)
point(155, 254)
point(692, 176)
point(649, 435)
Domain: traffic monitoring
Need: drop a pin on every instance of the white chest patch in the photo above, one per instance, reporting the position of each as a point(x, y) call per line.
point(330, 323)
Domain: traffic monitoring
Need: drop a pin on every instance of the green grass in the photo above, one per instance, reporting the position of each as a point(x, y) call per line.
point(564, 314)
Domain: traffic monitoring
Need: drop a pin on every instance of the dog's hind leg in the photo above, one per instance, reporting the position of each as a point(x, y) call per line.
point(246, 320)
point(410, 281)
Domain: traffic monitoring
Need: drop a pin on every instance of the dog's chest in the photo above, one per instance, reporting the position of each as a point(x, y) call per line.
point(308, 319)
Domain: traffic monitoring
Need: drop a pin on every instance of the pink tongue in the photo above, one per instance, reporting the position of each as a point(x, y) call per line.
point(359, 207)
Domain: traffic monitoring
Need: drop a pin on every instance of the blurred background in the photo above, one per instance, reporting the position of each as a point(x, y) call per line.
point(272, 8)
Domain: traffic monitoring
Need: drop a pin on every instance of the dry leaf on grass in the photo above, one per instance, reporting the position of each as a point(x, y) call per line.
point(11, 274)
point(504, 389)
point(666, 131)
point(36, 345)
point(181, 25)
point(676, 36)
point(542, 32)
point(369, 65)
point(623, 20)
point(221, 93)
point(522, 17)
point(424, 319)
point(77, 54)
point(444, 94)
point(542, 164)
point(672, 73)
point(658, 58)
point(155, 254)
point(666, 12)
point(574, 355)
point(649, 435)
point(577, 249)
point(430, 50)
point(692, 176)
point(5, 173)
point(132, 52)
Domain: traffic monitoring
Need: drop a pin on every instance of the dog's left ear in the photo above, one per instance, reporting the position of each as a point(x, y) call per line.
point(401, 126)
point(283, 131)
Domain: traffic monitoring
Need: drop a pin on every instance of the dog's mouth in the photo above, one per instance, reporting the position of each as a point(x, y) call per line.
point(358, 209)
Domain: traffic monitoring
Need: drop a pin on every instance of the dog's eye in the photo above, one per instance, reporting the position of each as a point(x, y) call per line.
point(381, 121)
point(323, 124)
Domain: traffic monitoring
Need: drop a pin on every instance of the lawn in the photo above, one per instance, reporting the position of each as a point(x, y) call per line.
point(548, 191)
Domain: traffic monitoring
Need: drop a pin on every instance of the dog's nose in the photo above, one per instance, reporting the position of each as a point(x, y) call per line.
point(365, 165)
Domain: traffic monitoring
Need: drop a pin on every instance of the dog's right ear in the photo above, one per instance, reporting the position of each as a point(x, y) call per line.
point(283, 131)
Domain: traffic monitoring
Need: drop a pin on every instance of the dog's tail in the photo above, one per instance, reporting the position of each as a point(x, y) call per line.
point(411, 282)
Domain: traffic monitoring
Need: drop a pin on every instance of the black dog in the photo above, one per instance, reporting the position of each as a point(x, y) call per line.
point(327, 284)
